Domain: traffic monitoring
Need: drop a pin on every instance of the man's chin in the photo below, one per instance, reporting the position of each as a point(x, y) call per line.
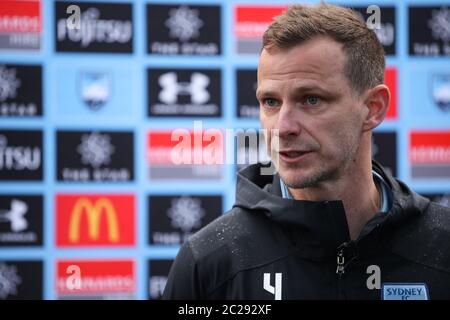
point(298, 179)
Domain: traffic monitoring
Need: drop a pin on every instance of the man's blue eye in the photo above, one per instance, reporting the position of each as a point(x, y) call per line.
point(312, 100)
point(270, 102)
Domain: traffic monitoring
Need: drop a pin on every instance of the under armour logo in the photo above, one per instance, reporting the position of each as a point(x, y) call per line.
point(171, 88)
point(16, 215)
point(275, 290)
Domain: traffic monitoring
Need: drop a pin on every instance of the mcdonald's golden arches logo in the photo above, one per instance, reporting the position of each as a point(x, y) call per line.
point(94, 212)
point(95, 219)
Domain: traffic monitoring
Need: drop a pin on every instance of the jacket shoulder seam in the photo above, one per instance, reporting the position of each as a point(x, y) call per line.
point(245, 269)
point(420, 263)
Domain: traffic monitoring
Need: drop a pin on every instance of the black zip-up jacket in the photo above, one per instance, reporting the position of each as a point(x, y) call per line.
point(268, 247)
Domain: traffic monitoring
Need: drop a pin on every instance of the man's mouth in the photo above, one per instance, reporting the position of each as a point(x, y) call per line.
point(293, 155)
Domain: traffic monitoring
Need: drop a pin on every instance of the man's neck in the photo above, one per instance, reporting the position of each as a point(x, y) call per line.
point(357, 191)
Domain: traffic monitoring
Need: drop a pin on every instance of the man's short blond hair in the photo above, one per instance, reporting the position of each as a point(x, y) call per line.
point(365, 63)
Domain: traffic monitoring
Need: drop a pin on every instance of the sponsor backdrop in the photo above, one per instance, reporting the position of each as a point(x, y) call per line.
point(91, 204)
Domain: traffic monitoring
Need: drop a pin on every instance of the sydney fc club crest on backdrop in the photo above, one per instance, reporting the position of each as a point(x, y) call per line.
point(95, 87)
point(440, 88)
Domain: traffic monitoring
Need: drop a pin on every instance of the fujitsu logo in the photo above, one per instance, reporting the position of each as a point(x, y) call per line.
point(18, 157)
point(94, 29)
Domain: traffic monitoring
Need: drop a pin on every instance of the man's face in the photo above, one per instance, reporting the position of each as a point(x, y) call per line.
point(304, 94)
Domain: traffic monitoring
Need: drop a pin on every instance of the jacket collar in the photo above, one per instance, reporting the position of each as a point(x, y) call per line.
point(319, 226)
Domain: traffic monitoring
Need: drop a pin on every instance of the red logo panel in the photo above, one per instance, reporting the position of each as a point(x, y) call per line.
point(20, 16)
point(82, 277)
point(95, 219)
point(430, 147)
point(252, 21)
point(390, 79)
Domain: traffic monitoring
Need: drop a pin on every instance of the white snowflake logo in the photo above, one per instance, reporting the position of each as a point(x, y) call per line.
point(186, 213)
point(9, 280)
point(440, 24)
point(184, 23)
point(95, 149)
point(8, 83)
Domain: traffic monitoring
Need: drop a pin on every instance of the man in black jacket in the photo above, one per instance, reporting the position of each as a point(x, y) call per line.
point(332, 223)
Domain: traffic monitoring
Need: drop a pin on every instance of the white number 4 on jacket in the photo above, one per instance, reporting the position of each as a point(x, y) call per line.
point(275, 290)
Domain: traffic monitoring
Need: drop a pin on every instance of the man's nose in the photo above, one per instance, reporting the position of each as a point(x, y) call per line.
point(288, 122)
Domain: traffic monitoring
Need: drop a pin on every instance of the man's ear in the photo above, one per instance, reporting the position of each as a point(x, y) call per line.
point(377, 102)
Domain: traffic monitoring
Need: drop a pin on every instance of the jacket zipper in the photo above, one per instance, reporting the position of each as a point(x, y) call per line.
point(342, 262)
point(340, 270)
